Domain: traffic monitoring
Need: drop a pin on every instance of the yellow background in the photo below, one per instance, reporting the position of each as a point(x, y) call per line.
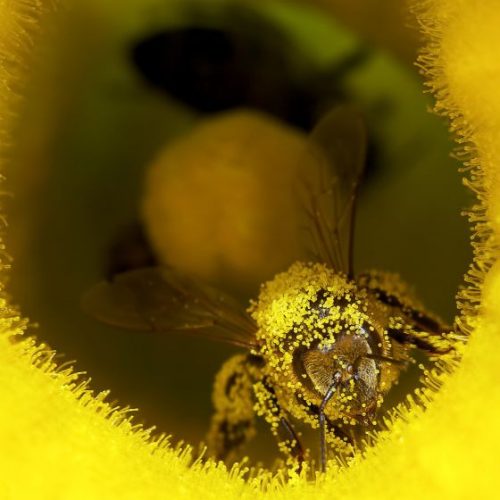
point(58, 441)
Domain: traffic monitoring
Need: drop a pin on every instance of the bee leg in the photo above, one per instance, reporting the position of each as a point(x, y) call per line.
point(233, 423)
point(424, 325)
point(341, 433)
point(293, 442)
point(268, 407)
point(422, 320)
point(413, 338)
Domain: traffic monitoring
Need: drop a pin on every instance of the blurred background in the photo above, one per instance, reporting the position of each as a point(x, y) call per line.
point(117, 90)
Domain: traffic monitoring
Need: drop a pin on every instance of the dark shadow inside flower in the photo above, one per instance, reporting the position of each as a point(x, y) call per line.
point(109, 92)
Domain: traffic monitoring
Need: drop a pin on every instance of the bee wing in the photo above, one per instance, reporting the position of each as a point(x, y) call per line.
point(337, 147)
point(158, 299)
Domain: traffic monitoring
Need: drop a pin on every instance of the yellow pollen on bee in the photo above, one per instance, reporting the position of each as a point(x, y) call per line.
point(290, 314)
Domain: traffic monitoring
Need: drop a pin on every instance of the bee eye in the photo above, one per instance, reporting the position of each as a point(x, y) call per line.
point(349, 369)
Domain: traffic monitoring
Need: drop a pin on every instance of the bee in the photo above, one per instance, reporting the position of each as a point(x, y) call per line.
point(323, 345)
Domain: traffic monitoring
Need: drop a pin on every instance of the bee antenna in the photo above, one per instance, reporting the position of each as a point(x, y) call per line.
point(387, 359)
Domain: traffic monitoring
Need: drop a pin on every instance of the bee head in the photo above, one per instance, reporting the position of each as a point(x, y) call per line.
point(347, 365)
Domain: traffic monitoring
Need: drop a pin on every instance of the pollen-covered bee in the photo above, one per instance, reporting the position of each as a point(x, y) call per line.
point(324, 346)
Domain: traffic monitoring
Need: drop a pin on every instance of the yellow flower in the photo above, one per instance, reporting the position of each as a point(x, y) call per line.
point(60, 441)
